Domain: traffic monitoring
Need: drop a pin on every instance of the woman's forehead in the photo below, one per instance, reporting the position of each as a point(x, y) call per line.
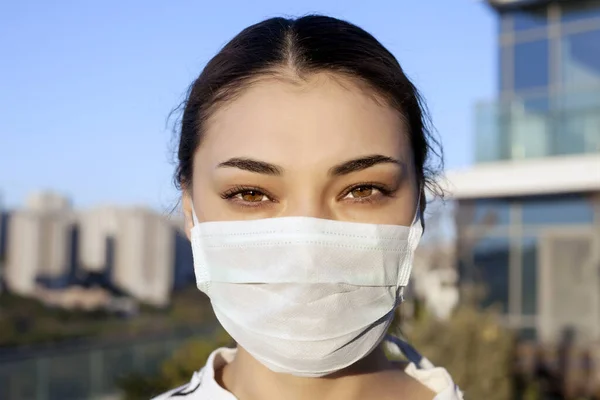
point(316, 119)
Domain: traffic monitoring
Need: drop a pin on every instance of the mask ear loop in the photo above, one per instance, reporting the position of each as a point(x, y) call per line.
point(397, 346)
point(194, 217)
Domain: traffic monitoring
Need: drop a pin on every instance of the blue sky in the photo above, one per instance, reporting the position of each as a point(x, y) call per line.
point(86, 86)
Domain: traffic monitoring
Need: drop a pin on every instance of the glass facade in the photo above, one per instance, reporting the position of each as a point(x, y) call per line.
point(580, 61)
point(549, 83)
point(531, 65)
point(530, 19)
point(501, 241)
point(490, 263)
point(573, 11)
point(528, 250)
point(491, 213)
point(538, 126)
point(557, 210)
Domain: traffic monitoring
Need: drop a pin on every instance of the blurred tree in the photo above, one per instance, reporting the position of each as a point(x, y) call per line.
point(472, 345)
point(191, 357)
point(176, 371)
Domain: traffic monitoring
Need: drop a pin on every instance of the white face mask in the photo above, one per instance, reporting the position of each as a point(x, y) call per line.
point(304, 296)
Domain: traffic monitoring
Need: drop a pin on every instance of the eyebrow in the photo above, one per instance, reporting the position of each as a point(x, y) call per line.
point(362, 163)
point(248, 164)
point(345, 168)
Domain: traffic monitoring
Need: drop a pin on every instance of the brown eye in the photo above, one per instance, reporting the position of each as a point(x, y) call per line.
point(252, 196)
point(361, 192)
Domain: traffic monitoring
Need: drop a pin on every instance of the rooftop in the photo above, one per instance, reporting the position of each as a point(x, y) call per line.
point(565, 174)
point(508, 4)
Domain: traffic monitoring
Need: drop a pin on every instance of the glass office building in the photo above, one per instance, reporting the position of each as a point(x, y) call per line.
point(528, 217)
point(549, 80)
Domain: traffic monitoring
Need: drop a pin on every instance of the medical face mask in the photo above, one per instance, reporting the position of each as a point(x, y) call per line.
point(304, 296)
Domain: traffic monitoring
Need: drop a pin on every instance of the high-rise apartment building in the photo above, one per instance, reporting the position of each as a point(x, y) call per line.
point(144, 255)
point(97, 231)
point(121, 250)
point(529, 209)
point(47, 201)
point(23, 253)
point(40, 246)
point(134, 247)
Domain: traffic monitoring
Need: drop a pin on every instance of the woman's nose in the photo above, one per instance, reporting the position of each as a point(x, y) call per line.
point(315, 208)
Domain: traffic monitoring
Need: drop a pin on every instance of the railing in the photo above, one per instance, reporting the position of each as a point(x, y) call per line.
point(538, 126)
point(84, 371)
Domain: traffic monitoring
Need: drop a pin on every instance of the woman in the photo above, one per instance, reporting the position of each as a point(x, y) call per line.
point(303, 165)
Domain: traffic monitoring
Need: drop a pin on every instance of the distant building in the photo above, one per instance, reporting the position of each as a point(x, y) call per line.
point(24, 252)
point(96, 227)
point(57, 254)
point(47, 201)
point(136, 249)
point(40, 247)
point(144, 255)
point(528, 215)
point(58, 263)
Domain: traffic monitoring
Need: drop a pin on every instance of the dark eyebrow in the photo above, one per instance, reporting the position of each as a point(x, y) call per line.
point(248, 164)
point(359, 164)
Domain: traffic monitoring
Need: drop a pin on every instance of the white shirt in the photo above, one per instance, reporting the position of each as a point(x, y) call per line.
point(203, 385)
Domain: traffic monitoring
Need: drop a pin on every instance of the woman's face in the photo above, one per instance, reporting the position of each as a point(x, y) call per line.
point(324, 148)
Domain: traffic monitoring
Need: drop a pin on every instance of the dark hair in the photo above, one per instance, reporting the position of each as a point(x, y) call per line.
point(305, 45)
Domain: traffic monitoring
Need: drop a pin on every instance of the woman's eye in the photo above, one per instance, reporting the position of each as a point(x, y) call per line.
point(248, 196)
point(252, 196)
point(361, 192)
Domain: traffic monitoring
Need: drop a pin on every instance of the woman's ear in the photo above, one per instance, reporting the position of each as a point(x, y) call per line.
point(187, 206)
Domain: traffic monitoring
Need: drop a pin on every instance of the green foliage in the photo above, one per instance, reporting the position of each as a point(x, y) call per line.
point(141, 387)
point(475, 349)
point(176, 371)
point(25, 321)
point(191, 357)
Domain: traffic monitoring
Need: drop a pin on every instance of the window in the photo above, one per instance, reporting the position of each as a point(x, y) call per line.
point(527, 334)
point(530, 19)
point(530, 128)
point(489, 138)
point(529, 276)
point(580, 10)
point(531, 65)
point(491, 212)
point(490, 261)
point(547, 210)
point(483, 213)
point(581, 59)
point(578, 124)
